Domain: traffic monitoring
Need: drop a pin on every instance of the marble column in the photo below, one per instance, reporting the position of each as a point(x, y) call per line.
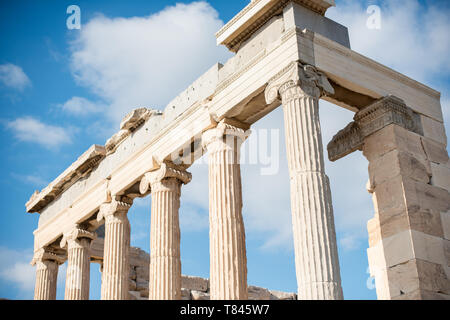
point(316, 254)
point(228, 259)
point(78, 242)
point(116, 265)
point(165, 261)
point(47, 263)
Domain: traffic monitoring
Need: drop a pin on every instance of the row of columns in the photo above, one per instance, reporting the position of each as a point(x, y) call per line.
point(299, 88)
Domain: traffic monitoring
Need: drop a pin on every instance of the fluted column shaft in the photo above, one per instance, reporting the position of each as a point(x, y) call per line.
point(78, 243)
point(46, 279)
point(316, 255)
point(47, 264)
point(116, 265)
point(165, 262)
point(228, 259)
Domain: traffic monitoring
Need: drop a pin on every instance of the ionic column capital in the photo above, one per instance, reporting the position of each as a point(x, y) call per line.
point(47, 254)
point(167, 170)
point(386, 111)
point(224, 128)
point(117, 208)
point(295, 81)
point(76, 233)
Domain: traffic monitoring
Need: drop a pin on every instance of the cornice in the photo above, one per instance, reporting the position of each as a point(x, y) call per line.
point(268, 9)
point(80, 168)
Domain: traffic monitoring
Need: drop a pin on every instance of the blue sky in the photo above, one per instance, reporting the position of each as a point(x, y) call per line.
point(63, 90)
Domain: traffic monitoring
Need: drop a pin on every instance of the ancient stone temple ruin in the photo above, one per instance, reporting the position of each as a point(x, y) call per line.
point(286, 53)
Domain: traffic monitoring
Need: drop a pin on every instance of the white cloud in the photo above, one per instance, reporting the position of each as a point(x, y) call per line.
point(15, 268)
point(349, 242)
point(413, 38)
point(194, 218)
point(81, 107)
point(28, 129)
point(34, 180)
point(146, 61)
point(13, 76)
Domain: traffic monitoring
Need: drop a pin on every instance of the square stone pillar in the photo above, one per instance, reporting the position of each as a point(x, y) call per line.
point(409, 246)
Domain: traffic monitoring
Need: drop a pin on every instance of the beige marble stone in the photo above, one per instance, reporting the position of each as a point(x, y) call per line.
point(195, 283)
point(396, 163)
point(185, 294)
point(199, 295)
point(441, 176)
point(434, 130)
point(436, 152)
point(256, 293)
point(445, 218)
point(278, 295)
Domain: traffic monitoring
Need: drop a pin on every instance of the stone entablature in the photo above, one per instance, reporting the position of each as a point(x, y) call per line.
point(258, 13)
point(79, 169)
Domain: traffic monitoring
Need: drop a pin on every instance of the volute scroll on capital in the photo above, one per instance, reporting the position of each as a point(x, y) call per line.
point(307, 77)
point(165, 171)
point(76, 233)
point(118, 205)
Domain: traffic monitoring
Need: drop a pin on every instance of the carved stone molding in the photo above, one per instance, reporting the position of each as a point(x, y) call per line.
point(80, 168)
point(386, 111)
point(233, 41)
point(47, 254)
point(129, 124)
point(118, 205)
point(75, 234)
point(312, 82)
point(166, 170)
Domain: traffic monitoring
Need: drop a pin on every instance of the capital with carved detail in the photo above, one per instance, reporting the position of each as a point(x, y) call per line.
point(72, 236)
point(307, 78)
point(166, 170)
point(225, 134)
point(48, 254)
point(117, 208)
